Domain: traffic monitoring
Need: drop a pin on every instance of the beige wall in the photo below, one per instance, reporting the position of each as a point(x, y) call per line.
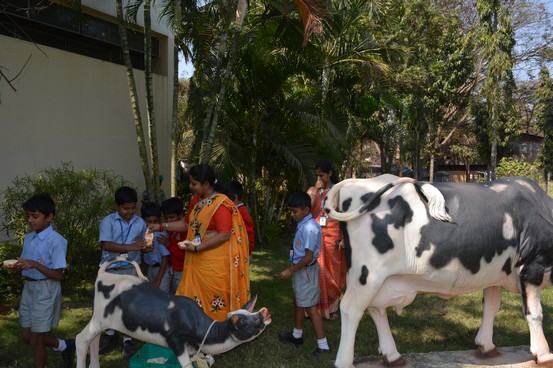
point(72, 108)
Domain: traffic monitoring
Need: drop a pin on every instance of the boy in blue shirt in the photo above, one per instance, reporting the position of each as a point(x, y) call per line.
point(41, 263)
point(158, 259)
point(304, 270)
point(122, 233)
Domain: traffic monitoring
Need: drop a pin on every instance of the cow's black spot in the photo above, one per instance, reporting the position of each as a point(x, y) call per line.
point(345, 204)
point(364, 275)
point(533, 273)
point(104, 289)
point(399, 214)
point(479, 212)
point(507, 266)
point(345, 237)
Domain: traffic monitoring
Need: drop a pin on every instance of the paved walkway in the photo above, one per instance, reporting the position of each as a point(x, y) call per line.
point(509, 357)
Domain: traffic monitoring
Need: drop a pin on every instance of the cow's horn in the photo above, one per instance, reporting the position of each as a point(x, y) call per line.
point(250, 304)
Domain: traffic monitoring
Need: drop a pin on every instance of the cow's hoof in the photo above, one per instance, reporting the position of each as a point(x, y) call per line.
point(396, 363)
point(545, 360)
point(488, 354)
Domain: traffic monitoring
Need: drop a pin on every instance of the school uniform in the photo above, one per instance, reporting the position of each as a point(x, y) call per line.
point(153, 260)
point(116, 230)
point(305, 282)
point(40, 304)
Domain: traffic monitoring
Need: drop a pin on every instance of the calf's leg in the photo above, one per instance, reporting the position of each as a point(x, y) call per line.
point(184, 359)
point(83, 341)
point(490, 306)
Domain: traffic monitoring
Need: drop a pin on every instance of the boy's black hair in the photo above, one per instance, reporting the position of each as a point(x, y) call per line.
point(125, 194)
point(234, 188)
point(299, 200)
point(171, 206)
point(150, 209)
point(42, 203)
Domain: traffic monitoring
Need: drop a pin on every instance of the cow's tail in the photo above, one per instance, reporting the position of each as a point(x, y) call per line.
point(122, 259)
point(436, 201)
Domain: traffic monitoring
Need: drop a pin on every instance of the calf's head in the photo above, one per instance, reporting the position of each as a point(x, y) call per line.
point(246, 325)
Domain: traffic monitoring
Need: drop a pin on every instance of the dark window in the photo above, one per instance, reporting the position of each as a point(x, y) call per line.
point(64, 28)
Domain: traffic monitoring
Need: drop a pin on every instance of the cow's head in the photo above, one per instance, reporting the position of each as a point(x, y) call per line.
point(246, 324)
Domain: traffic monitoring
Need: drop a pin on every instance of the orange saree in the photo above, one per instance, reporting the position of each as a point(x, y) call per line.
point(217, 279)
point(332, 278)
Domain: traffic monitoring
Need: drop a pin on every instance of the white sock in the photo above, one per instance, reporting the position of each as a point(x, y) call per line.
point(125, 339)
point(110, 332)
point(297, 333)
point(61, 346)
point(323, 344)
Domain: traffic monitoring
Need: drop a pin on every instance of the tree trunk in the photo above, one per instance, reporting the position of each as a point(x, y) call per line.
point(493, 159)
point(431, 168)
point(134, 96)
point(208, 147)
point(150, 101)
point(175, 130)
point(252, 178)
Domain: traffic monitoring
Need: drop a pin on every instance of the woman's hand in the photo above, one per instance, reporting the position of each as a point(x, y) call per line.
point(153, 227)
point(188, 246)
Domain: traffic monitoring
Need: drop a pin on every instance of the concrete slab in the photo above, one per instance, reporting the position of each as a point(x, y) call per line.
point(509, 357)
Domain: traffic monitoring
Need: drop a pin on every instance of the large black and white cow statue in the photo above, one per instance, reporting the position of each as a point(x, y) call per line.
point(134, 307)
point(405, 237)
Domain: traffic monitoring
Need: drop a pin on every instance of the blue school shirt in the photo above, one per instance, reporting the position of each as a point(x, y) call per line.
point(308, 236)
point(116, 230)
point(151, 258)
point(48, 248)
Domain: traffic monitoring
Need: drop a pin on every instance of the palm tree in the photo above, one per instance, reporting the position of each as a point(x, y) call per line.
point(134, 96)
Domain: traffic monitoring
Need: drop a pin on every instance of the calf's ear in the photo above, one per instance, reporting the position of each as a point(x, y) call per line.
point(234, 319)
point(250, 304)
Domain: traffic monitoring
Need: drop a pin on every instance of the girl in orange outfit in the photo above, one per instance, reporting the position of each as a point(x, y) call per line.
point(332, 258)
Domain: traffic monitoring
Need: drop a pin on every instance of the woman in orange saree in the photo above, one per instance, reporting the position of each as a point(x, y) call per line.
point(332, 258)
point(216, 270)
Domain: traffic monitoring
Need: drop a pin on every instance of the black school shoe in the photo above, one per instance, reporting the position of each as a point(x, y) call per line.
point(320, 351)
point(128, 349)
point(106, 342)
point(289, 337)
point(68, 355)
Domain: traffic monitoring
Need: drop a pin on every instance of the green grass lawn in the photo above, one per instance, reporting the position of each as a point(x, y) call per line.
point(429, 324)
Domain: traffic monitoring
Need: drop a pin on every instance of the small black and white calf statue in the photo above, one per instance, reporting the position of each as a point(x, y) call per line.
point(132, 306)
point(405, 237)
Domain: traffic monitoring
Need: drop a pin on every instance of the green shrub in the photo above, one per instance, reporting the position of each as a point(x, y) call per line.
point(82, 199)
point(512, 167)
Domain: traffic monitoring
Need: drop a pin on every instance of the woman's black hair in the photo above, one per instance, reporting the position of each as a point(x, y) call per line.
point(326, 167)
point(204, 173)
